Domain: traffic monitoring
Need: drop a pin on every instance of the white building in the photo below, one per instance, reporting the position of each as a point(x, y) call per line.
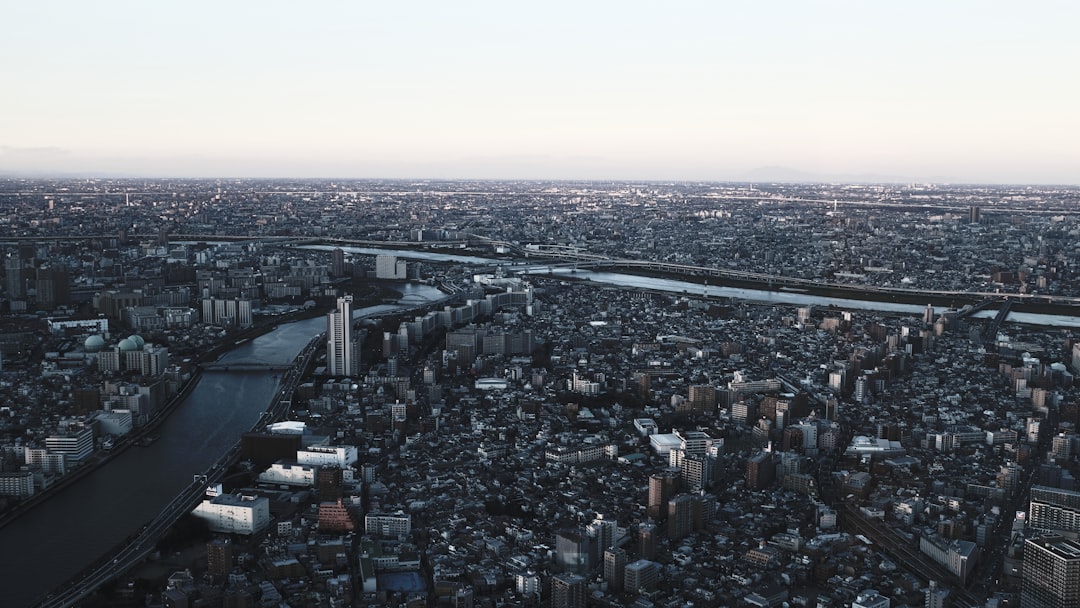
point(397, 524)
point(76, 444)
point(389, 267)
point(235, 513)
point(289, 474)
point(17, 483)
point(871, 599)
point(341, 456)
point(40, 459)
point(663, 443)
point(339, 346)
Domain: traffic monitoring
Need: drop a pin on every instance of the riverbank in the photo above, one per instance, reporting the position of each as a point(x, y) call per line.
point(145, 432)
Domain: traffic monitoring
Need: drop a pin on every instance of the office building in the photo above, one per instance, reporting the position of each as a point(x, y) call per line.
point(567, 591)
point(74, 444)
point(1051, 573)
point(339, 346)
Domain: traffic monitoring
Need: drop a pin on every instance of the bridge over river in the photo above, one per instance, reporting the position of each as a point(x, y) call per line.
point(246, 366)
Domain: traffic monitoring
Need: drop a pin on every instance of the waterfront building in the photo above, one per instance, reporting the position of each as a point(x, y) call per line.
point(19, 484)
point(74, 444)
point(339, 346)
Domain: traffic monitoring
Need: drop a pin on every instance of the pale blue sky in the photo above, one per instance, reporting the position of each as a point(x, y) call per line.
point(976, 91)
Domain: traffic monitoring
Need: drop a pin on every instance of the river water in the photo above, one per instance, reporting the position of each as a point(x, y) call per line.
point(47, 546)
point(633, 281)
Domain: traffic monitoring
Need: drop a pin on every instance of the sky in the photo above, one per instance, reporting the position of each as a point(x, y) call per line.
point(958, 91)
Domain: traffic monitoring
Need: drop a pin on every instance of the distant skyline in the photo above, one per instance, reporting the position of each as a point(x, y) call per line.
point(959, 91)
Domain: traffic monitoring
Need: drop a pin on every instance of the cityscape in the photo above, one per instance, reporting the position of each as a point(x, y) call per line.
point(329, 393)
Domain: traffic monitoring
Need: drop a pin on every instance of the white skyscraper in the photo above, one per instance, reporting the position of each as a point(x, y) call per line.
point(339, 350)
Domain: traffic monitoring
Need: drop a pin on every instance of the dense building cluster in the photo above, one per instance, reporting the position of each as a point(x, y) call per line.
point(548, 441)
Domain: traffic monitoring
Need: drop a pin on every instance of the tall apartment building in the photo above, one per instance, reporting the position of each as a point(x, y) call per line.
point(661, 489)
point(615, 568)
point(219, 557)
point(339, 346)
point(1054, 510)
point(680, 516)
point(760, 471)
point(1051, 573)
point(567, 591)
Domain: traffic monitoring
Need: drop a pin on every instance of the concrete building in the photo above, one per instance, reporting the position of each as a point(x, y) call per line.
point(1051, 573)
point(379, 524)
point(75, 444)
point(235, 513)
point(641, 575)
point(342, 456)
point(289, 474)
point(567, 591)
point(1054, 510)
point(19, 484)
point(389, 267)
point(615, 568)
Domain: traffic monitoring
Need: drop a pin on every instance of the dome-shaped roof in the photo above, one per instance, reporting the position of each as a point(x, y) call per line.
point(94, 343)
point(127, 344)
point(138, 340)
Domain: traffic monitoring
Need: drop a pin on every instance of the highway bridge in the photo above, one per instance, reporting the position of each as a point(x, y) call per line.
point(245, 366)
point(990, 333)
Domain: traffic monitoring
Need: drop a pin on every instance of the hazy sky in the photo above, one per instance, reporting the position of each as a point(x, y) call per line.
point(965, 91)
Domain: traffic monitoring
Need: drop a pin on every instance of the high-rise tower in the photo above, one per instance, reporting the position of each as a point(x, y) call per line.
point(339, 348)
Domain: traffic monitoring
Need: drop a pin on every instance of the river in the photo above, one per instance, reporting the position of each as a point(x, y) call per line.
point(633, 281)
point(50, 544)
